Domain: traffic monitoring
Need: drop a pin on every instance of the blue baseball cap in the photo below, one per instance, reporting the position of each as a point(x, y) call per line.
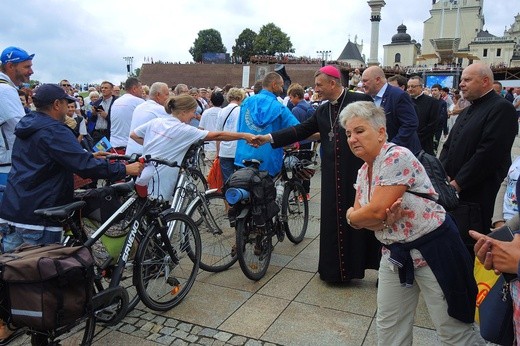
point(46, 94)
point(15, 55)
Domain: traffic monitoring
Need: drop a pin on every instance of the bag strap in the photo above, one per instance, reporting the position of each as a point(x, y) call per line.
point(423, 195)
point(232, 109)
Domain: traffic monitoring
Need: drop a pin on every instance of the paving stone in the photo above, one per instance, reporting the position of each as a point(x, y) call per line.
point(167, 330)
point(147, 326)
point(159, 320)
point(166, 340)
point(180, 334)
point(171, 322)
point(131, 320)
point(153, 337)
point(179, 342)
point(209, 332)
point(156, 328)
point(237, 340)
point(134, 313)
point(253, 342)
point(196, 330)
point(191, 338)
point(127, 328)
point(140, 334)
point(148, 316)
point(218, 343)
point(206, 341)
point(140, 323)
point(223, 336)
point(185, 326)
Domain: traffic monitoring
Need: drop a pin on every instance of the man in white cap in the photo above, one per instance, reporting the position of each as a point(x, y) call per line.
point(16, 69)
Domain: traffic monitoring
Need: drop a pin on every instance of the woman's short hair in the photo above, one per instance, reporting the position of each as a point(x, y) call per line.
point(178, 103)
point(235, 94)
point(365, 110)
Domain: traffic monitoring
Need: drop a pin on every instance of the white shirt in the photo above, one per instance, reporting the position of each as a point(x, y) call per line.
point(209, 122)
point(82, 130)
point(169, 139)
point(143, 113)
point(510, 206)
point(11, 111)
point(121, 118)
point(228, 148)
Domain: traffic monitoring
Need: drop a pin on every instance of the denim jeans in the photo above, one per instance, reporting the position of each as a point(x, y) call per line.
point(227, 166)
point(12, 237)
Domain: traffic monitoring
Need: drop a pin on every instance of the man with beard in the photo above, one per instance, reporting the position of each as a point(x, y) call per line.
point(345, 252)
point(260, 114)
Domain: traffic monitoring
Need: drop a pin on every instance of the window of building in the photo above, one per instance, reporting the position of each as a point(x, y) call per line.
point(499, 51)
point(398, 57)
point(485, 52)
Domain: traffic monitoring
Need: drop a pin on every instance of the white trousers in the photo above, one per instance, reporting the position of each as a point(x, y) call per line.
point(396, 306)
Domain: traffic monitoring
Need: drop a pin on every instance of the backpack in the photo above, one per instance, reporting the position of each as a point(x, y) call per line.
point(448, 196)
point(45, 287)
point(261, 187)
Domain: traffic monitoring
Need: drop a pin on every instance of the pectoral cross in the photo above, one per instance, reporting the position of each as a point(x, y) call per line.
point(331, 135)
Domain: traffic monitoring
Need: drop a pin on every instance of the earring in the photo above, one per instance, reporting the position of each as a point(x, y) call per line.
point(380, 140)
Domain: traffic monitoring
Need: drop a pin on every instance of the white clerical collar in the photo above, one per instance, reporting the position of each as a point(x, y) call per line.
point(335, 102)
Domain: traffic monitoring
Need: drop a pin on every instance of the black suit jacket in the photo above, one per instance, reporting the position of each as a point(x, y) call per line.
point(401, 119)
point(428, 112)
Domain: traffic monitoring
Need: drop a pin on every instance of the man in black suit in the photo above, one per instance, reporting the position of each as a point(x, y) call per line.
point(477, 153)
point(428, 112)
point(401, 118)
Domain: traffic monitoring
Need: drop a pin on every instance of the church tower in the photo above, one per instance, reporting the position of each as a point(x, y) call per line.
point(451, 28)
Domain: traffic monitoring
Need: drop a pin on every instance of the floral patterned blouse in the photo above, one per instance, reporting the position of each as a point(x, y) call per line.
point(396, 165)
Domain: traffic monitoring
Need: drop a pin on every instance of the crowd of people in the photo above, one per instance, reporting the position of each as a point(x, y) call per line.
point(381, 210)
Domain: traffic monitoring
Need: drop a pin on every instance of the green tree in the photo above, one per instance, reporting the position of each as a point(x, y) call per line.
point(271, 40)
point(137, 72)
point(244, 46)
point(208, 41)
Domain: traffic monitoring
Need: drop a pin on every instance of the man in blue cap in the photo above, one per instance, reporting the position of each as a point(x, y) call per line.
point(15, 69)
point(45, 155)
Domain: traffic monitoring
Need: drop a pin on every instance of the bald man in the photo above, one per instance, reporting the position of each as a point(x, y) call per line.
point(401, 119)
point(477, 154)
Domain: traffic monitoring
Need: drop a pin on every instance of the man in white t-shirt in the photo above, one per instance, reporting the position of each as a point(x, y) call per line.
point(150, 109)
point(121, 114)
point(209, 122)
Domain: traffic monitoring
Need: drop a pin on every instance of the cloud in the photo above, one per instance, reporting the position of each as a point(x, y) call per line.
point(85, 41)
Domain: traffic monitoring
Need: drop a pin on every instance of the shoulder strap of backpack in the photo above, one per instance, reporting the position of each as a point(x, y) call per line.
point(231, 111)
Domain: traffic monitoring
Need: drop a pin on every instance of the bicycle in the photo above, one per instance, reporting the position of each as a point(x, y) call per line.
point(139, 217)
point(197, 159)
point(209, 211)
point(254, 237)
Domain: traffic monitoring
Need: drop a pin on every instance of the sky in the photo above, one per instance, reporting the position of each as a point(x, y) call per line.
point(86, 41)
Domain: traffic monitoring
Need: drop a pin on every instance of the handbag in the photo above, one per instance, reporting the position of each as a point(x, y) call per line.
point(215, 177)
point(496, 314)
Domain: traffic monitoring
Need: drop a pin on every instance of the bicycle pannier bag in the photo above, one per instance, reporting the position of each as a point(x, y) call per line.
point(45, 287)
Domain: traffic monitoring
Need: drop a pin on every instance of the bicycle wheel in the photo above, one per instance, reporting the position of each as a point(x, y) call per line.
point(254, 248)
point(295, 211)
point(162, 281)
point(217, 236)
point(199, 179)
point(80, 333)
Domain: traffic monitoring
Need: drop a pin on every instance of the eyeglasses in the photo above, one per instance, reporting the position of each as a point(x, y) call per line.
point(65, 85)
point(413, 86)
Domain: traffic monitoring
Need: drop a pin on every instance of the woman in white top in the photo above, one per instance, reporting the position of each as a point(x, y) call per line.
point(169, 139)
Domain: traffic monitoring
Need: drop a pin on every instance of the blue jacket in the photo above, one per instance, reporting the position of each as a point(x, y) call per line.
point(262, 114)
point(45, 155)
point(449, 261)
point(303, 111)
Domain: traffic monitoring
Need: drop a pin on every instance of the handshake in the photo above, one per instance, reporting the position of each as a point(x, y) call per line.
point(257, 140)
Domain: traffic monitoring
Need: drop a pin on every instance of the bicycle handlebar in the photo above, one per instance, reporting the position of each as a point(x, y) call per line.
point(144, 159)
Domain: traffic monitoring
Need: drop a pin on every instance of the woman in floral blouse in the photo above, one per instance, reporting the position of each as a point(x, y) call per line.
point(422, 250)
